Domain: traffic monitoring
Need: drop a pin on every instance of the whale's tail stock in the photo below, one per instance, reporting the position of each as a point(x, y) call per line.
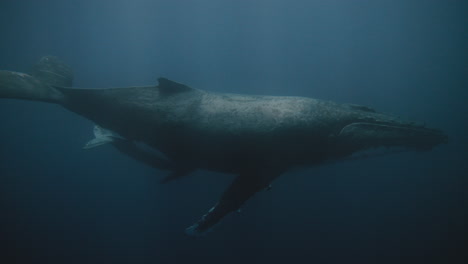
point(40, 84)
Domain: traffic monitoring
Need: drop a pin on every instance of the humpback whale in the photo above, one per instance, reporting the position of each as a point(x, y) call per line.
point(255, 137)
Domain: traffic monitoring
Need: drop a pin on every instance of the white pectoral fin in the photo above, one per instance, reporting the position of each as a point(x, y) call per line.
point(96, 142)
point(100, 132)
point(102, 136)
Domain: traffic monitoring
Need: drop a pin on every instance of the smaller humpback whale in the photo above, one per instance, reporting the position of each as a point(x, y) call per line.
point(257, 138)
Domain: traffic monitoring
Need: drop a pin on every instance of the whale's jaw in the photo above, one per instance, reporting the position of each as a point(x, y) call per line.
point(363, 135)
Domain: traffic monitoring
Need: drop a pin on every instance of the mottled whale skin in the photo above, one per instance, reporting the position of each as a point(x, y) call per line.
point(258, 138)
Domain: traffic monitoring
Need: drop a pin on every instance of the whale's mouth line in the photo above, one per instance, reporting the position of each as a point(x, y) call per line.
point(391, 127)
point(376, 152)
point(371, 152)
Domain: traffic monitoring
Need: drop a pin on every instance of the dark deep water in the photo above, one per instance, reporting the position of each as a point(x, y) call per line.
point(62, 204)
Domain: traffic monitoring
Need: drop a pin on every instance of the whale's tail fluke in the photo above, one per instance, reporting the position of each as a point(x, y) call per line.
point(52, 71)
point(39, 85)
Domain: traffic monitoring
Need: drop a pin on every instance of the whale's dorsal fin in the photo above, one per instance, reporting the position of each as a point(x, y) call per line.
point(168, 87)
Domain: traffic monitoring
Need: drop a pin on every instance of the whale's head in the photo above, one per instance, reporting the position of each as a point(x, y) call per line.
point(367, 129)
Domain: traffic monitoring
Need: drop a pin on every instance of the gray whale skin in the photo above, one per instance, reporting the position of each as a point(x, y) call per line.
point(257, 138)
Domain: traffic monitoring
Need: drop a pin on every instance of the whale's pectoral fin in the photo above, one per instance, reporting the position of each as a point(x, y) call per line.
point(176, 174)
point(102, 136)
point(96, 142)
point(240, 190)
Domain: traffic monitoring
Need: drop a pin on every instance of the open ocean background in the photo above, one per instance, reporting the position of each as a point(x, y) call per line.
point(62, 204)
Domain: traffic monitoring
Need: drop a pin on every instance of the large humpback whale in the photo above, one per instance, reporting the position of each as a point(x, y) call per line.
point(258, 138)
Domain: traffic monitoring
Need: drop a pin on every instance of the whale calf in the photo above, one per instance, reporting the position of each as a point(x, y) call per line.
point(257, 138)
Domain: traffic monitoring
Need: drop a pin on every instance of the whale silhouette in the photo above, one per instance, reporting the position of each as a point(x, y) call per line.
point(258, 138)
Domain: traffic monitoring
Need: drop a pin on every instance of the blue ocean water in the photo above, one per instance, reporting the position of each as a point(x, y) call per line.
point(62, 204)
